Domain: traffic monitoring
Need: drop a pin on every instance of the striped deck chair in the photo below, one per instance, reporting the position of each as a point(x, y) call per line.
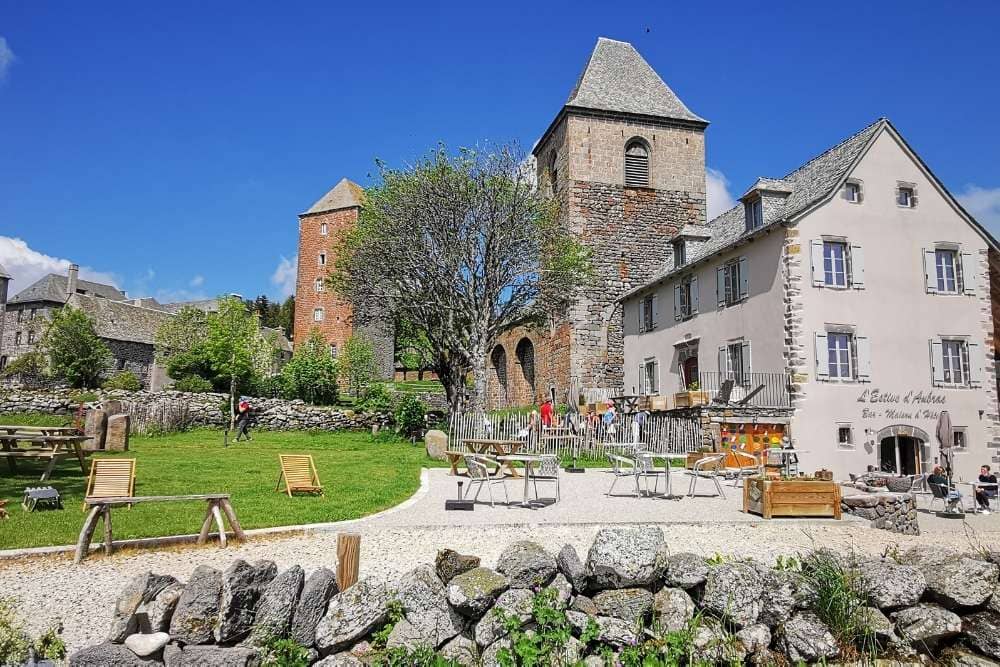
point(299, 473)
point(110, 478)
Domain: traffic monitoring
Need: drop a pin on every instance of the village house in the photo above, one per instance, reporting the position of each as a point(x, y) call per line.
point(854, 291)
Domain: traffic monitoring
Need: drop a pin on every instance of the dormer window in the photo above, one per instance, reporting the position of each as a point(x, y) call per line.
point(680, 257)
point(636, 165)
point(853, 192)
point(754, 211)
point(906, 195)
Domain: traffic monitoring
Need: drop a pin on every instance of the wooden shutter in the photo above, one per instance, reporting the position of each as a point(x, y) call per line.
point(816, 250)
point(677, 302)
point(694, 295)
point(720, 285)
point(655, 389)
point(642, 314)
point(723, 363)
point(930, 272)
point(642, 380)
point(744, 278)
point(656, 310)
point(636, 166)
point(863, 358)
point(968, 273)
point(977, 365)
point(937, 362)
point(857, 267)
point(822, 356)
point(745, 349)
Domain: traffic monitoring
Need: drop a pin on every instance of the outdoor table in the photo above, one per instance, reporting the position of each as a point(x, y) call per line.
point(977, 484)
point(667, 458)
point(785, 454)
point(38, 430)
point(44, 447)
point(527, 460)
point(499, 447)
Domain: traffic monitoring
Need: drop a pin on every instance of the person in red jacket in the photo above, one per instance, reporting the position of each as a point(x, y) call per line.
point(547, 413)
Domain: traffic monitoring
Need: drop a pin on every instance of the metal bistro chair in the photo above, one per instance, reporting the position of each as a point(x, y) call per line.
point(547, 471)
point(940, 492)
point(646, 468)
point(747, 465)
point(622, 466)
point(479, 473)
point(708, 468)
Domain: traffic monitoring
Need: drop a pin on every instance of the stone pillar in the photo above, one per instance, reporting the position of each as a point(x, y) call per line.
point(118, 431)
point(95, 428)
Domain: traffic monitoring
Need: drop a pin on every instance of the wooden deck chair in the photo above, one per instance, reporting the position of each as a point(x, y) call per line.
point(110, 478)
point(299, 473)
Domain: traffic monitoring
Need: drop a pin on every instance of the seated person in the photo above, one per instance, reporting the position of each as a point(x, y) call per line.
point(984, 494)
point(938, 479)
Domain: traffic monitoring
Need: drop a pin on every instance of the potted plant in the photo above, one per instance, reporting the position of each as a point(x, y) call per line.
point(692, 397)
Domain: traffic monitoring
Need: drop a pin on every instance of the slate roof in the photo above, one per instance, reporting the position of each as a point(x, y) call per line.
point(207, 305)
point(807, 185)
point(53, 288)
point(344, 194)
point(121, 320)
point(3, 272)
point(618, 79)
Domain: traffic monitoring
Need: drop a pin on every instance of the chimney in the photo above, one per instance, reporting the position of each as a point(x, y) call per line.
point(72, 275)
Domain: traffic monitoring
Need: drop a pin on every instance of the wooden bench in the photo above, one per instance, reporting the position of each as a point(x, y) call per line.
point(49, 447)
point(218, 503)
point(453, 459)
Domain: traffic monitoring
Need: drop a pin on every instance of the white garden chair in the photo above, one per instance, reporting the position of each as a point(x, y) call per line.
point(707, 468)
point(547, 471)
point(479, 473)
point(622, 466)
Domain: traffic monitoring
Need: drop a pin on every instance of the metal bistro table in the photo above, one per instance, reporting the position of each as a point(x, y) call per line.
point(977, 484)
point(667, 457)
point(527, 460)
point(785, 454)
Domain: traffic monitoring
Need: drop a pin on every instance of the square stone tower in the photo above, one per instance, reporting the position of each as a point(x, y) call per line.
point(625, 158)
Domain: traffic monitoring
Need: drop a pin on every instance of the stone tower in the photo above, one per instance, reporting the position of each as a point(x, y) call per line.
point(626, 160)
point(316, 306)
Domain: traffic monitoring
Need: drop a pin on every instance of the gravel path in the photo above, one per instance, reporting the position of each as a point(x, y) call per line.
point(82, 596)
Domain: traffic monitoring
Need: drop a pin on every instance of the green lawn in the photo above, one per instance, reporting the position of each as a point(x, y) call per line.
point(361, 475)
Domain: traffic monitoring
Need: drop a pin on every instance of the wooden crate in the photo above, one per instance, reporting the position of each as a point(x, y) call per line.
point(661, 403)
point(690, 399)
point(777, 497)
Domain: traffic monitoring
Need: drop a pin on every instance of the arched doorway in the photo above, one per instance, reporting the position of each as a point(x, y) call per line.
point(525, 353)
point(900, 449)
point(498, 358)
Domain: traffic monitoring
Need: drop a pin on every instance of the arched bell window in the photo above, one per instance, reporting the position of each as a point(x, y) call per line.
point(636, 164)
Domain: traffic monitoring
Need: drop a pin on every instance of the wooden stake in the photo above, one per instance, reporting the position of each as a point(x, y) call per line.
point(348, 559)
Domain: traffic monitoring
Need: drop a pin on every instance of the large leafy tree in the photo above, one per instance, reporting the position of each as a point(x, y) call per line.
point(356, 363)
point(463, 247)
point(413, 352)
point(180, 345)
point(311, 374)
point(76, 353)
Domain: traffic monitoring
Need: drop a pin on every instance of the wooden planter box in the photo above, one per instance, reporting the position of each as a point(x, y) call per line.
point(777, 497)
point(690, 399)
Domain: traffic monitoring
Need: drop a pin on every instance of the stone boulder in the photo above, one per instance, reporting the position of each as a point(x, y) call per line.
point(571, 566)
point(712, 645)
point(610, 630)
point(436, 443)
point(277, 605)
point(316, 593)
point(198, 607)
point(890, 585)
point(161, 608)
point(734, 591)
point(340, 660)
point(138, 591)
point(218, 656)
point(449, 564)
point(95, 427)
point(352, 614)
point(804, 637)
point(960, 581)
point(927, 623)
point(982, 632)
point(631, 605)
point(755, 638)
point(407, 636)
point(109, 655)
point(959, 657)
point(242, 586)
point(585, 605)
point(473, 592)
point(562, 588)
point(425, 606)
point(780, 596)
point(514, 603)
point(489, 654)
point(461, 650)
point(144, 645)
point(116, 439)
point(626, 557)
point(526, 565)
point(673, 609)
point(685, 570)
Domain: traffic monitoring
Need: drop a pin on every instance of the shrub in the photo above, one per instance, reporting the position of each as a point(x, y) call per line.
point(376, 398)
point(83, 397)
point(15, 642)
point(193, 384)
point(311, 375)
point(409, 415)
point(30, 364)
point(284, 653)
point(841, 596)
point(357, 363)
point(125, 380)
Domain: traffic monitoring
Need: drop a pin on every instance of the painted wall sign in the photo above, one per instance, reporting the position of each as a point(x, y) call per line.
point(908, 405)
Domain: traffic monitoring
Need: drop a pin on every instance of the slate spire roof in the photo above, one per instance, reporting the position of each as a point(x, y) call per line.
point(618, 79)
point(3, 272)
point(344, 194)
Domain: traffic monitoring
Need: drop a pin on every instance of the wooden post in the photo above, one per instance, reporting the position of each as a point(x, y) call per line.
point(108, 539)
point(83, 544)
point(348, 559)
point(233, 521)
point(214, 509)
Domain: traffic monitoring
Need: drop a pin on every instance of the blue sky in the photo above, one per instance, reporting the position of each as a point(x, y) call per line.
point(169, 148)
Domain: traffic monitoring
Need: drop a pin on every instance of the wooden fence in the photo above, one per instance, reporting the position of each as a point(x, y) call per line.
point(659, 433)
point(157, 416)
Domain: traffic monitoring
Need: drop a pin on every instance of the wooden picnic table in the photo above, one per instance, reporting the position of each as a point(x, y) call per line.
point(51, 447)
point(218, 504)
point(498, 447)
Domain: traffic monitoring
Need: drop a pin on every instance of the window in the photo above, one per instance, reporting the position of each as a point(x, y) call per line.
point(754, 211)
point(554, 170)
point(958, 437)
point(31, 337)
point(905, 196)
point(955, 358)
point(647, 313)
point(835, 263)
point(845, 435)
point(318, 315)
point(17, 337)
point(649, 377)
point(323, 229)
point(842, 355)
point(333, 350)
point(839, 355)
point(731, 282)
point(957, 362)
point(636, 165)
point(734, 362)
point(20, 315)
point(680, 257)
point(318, 285)
point(34, 311)
point(945, 266)
point(947, 270)
point(686, 298)
point(852, 192)
point(3, 362)
point(322, 259)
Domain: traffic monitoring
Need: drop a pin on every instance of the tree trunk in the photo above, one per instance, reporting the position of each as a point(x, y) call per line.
point(478, 402)
point(453, 381)
point(232, 402)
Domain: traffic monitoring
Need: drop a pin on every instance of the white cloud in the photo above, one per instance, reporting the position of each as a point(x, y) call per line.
point(717, 192)
point(176, 295)
point(284, 276)
point(26, 265)
point(7, 58)
point(197, 281)
point(984, 205)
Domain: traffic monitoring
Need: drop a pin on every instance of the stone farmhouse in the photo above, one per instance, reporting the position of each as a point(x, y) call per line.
point(128, 326)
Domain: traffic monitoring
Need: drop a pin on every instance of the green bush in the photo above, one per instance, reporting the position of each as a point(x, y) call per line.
point(125, 380)
point(311, 375)
point(409, 416)
point(284, 653)
point(376, 398)
point(83, 397)
point(30, 364)
point(193, 384)
point(15, 642)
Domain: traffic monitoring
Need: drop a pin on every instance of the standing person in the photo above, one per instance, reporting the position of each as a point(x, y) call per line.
point(983, 494)
point(243, 420)
point(547, 413)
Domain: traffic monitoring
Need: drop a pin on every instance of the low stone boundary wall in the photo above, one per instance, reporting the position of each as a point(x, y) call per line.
point(629, 599)
point(895, 512)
